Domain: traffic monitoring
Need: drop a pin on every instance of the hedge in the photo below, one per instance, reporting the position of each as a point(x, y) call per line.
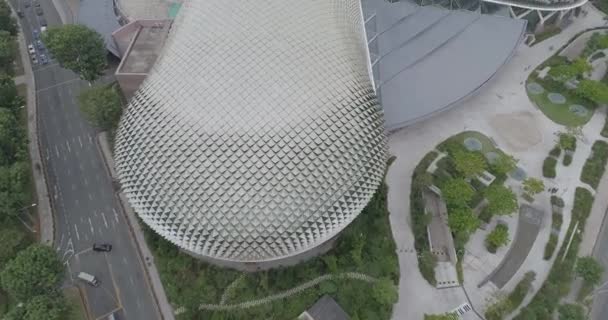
point(567, 159)
point(556, 151)
point(549, 167)
point(594, 167)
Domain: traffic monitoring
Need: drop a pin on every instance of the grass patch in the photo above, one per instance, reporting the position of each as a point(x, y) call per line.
point(549, 167)
point(559, 113)
point(75, 304)
point(557, 285)
point(594, 167)
point(557, 201)
point(365, 246)
point(18, 64)
point(486, 144)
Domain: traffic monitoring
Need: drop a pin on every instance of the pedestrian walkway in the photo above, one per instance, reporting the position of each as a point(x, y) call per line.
point(503, 111)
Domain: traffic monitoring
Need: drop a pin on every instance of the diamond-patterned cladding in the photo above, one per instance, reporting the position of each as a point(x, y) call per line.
point(257, 134)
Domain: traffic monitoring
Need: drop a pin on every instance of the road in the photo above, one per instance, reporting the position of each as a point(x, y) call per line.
point(600, 252)
point(83, 195)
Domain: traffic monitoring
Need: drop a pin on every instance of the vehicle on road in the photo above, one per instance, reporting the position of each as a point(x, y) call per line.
point(27, 4)
point(34, 60)
point(39, 11)
point(36, 34)
point(44, 59)
point(42, 29)
point(39, 45)
point(112, 316)
point(43, 22)
point(36, 3)
point(30, 49)
point(89, 279)
point(102, 247)
point(20, 14)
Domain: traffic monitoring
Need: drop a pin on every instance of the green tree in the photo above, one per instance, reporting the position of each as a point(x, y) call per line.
point(78, 48)
point(34, 271)
point(9, 141)
point(11, 239)
point(593, 90)
point(457, 192)
point(533, 186)
point(504, 164)
point(566, 72)
point(45, 307)
point(7, 52)
point(9, 98)
point(497, 238)
point(567, 141)
point(385, 292)
point(102, 106)
point(462, 220)
point(499, 309)
point(589, 269)
point(469, 164)
point(13, 182)
point(446, 316)
point(501, 200)
point(571, 312)
point(7, 21)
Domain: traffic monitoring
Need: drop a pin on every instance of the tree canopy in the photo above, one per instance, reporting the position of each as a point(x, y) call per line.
point(9, 98)
point(589, 269)
point(384, 292)
point(7, 21)
point(501, 200)
point(593, 90)
point(446, 316)
point(571, 312)
point(462, 220)
point(11, 239)
point(457, 192)
point(78, 48)
point(34, 271)
point(565, 72)
point(102, 106)
point(533, 186)
point(504, 164)
point(7, 52)
point(469, 163)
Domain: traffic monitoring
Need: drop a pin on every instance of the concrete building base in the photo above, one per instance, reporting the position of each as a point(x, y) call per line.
point(267, 265)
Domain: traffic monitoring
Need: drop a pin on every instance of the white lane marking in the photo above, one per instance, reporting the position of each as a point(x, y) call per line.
point(103, 216)
point(48, 152)
point(131, 280)
point(68, 171)
point(124, 260)
point(86, 182)
point(57, 151)
point(58, 84)
point(90, 197)
point(76, 229)
point(91, 224)
point(90, 140)
point(73, 186)
point(115, 215)
point(138, 304)
point(80, 141)
point(68, 144)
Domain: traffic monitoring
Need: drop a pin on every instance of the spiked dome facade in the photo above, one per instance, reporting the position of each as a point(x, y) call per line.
point(257, 136)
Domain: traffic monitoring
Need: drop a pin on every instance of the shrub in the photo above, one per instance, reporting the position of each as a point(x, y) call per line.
point(557, 201)
point(457, 193)
point(427, 263)
point(499, 309)
point(604, 132)
point(485, 215)
point(419, 217)
point(550, 247)
point(567, 141)
point(571, 312)
point(556, 221)
point(556, 151)
point(549, 167)
point(567, 159)
point(521, 289)
point(501, 200)
point(589, 269)
point(594, 167)
point(497, 238)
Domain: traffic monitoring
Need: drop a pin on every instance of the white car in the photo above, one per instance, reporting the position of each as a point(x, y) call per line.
point(30, 48)
point(34, 60)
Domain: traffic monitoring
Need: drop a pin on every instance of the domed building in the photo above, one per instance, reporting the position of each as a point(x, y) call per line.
point(260, 138)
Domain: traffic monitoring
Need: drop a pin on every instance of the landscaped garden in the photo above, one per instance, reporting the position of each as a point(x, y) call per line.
point(365, 247)
point(565, 93)
point(594, 167)
point(471, 169)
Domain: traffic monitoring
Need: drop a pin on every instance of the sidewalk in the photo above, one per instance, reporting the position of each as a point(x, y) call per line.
point(47, 224)
point(145, 254)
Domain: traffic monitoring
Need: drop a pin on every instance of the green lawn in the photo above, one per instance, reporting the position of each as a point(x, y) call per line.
point(560, 113)
point(18, 67)
point(75, 303)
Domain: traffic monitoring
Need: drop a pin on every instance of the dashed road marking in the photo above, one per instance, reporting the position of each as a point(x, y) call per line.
point(115, 215)
point(80, 141)
point(91, 224)
point(57, 151)
point(68, 144)
point(76, 229)
point(90, 197)
point(105, 222)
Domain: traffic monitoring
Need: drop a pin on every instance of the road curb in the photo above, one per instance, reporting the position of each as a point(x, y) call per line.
point(39, 173)
point(152, 276)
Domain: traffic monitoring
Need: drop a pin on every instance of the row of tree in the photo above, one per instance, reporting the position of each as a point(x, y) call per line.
point(30, 275)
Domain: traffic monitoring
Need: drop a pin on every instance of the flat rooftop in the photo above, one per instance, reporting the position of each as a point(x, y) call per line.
point(145, 48)
point(427, 59)
point(148, 9)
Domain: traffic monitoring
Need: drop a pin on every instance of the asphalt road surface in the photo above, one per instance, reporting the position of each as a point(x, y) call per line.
point(599, 310)
point(86, 208)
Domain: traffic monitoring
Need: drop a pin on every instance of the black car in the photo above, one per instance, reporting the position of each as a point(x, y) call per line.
point(20, 14)
point(43, 22)
point(102, 247)
point(37, 4)
point(39, 11)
